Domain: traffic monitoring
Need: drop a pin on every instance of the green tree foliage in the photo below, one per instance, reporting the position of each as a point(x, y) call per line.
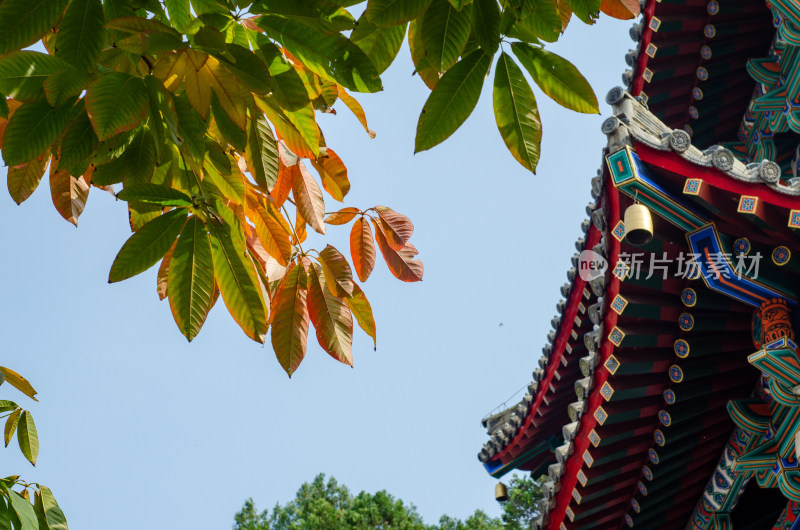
point(330, 505)
point(201, 115)
point(17, 509)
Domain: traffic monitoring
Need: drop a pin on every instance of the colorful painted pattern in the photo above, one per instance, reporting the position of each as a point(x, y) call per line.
point(747, 204)
point(794, 219)
point(689, 297)
point(618, 304)
point(781, 256)
point(619, 231)
point(741, 247)
point(681, 348)
point(686, 322)
point(616, 336)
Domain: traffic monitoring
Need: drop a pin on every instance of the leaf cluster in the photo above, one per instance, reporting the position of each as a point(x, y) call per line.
point(202, 116)
point(18, 511)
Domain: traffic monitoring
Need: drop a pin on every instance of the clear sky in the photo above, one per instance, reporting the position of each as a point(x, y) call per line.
point(140, 429)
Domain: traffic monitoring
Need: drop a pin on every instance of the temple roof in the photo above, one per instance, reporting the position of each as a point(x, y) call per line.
point(619, 414)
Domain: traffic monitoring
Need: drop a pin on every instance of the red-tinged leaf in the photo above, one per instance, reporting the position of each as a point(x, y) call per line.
point(400, 263)
point(362, 248)
point(24, 179)
point(69, 194)
point(163, 273)
point(331, 317)
point(356, 108)
point(621, 9)
point(290, 319)
point(286, 175)
point(397, 227)
point(272, 230)
point(333, 173)
point(309, 199)
point(361, 309)
point(343, 216)
point(338, 274)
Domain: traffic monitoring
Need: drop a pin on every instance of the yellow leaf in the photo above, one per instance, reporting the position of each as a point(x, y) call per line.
point(19, 382)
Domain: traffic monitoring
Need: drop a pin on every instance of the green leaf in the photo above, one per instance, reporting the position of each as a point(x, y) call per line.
point(394, 12)
point(24, 510)
point(24, 179)
point(3, 106)
point(77, 145)
point(557, 77)
point(147, 245)
point(381, 44)
point(141, 25)
point(140, 158)
point(23, 22)
point(27, 437)
point(50, 515)
point(230, 131)
point(486, 24)
point(155, 194)
point(444, 32)
point(191, 128)
point(31, 130)
point(116, 102)
point(7, 406)
point(452, 101)
point(261, 154)
point(362, 310)
point(516, 113)
point(460, 4)
point(333, 57)
point(179, 13)
point(6, 514)
point(11, 425)
point(530, 20)
point(287, 86)
point(237, 281)
point(310, 12)
point(80, 34)
point(191, 278)
point(586, 10)
point(65, 84)
point(247, 67)
point(23, 73)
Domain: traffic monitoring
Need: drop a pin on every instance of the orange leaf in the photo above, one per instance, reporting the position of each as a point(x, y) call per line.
point(163, 272)
point(621, 9)
point(397, 227)
point(356, 108)
point(310, 203)
point(283, 186)
point(400, 262)
point(333, 173)
point(362, 248)
point(300, 227)
point(69, 193)
point(343, 216)
point(338, 274)
point(273, 231)
point(361, 309)
point(290, 319)
point(331, 317)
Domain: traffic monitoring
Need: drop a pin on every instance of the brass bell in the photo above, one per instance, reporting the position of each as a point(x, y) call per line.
point(638, 225)
point(500, 492)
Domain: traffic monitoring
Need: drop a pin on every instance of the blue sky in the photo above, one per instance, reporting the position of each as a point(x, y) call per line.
point(140, 429)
